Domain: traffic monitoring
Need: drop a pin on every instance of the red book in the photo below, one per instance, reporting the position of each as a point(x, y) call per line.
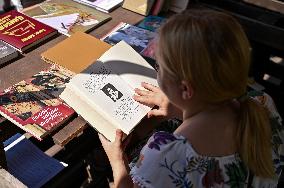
point(34, 105)
point(22, 31)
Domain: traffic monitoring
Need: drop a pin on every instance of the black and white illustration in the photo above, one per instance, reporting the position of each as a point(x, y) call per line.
point(112, 92)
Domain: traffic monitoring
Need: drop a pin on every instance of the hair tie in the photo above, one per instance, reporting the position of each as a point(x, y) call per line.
point(243, 97)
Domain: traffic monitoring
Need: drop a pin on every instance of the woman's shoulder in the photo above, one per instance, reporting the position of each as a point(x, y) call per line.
point(168, 159)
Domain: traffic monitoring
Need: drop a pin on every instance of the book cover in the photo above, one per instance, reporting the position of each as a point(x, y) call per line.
point(136, 37)
point(67, 16)
point(28, 163)
point(7, 53)
point(102, 5)
point(139, 6)
point(77, 52)
point(103, 93)
point(152, 23)
point(23, 32)
point(33, 104)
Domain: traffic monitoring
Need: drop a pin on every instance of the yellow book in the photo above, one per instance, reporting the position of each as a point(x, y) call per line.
point(139, 6)
point(76, 52)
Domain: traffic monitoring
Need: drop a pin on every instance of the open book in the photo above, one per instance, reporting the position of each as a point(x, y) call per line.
point(103, 93)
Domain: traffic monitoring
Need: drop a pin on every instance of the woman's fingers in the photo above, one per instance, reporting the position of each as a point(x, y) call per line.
point(155, 112)
point(146, 100)
point(118, 137)
point(150, 87)
point(142, 92)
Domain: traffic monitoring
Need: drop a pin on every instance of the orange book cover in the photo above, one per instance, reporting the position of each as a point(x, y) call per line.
point(77, 52)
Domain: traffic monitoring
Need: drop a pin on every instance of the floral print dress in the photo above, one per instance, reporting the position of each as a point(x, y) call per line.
point(169, 160)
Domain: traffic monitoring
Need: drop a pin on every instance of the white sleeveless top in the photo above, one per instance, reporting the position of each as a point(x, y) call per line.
point(169, 160)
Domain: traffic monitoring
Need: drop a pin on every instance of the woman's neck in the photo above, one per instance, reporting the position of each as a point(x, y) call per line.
point(202, 108)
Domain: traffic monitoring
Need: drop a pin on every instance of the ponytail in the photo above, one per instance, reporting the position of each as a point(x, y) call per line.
point(254, 138)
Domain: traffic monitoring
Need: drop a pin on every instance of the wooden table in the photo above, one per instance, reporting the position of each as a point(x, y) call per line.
point(29, 64)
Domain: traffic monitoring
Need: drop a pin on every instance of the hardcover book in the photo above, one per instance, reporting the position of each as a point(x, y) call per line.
point(103, 93)
point(66, 53)
point(67, 16)
point(7, 53)
point(33, 104)
point(139, 6)
point(102, 5)
point(136, 37)
point(23, 32)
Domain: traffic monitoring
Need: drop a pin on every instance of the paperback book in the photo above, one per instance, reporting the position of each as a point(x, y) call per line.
point(135, 36)
point(102, 5)
point(139, 6)
point(67, 16)
point(77, 52)
point(103, 93)
point(7, 52)
point(28, 163)
point(33, 104)
point(152, 23)
point(23, 32)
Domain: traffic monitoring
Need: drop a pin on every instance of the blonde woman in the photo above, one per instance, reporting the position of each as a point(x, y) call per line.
point(226, 138)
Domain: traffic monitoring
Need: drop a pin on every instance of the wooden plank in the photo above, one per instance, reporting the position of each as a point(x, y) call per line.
point(53, 150)
point(9, 181)
point(70, 131)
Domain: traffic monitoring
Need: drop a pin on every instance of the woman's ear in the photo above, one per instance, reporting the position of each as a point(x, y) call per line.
point(186, 90)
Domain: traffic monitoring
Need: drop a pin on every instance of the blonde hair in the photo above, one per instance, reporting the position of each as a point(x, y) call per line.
point(210, 50)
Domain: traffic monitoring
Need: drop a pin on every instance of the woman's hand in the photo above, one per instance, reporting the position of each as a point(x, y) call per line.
point(114, 150)
point(117, 159)
point(154, 96)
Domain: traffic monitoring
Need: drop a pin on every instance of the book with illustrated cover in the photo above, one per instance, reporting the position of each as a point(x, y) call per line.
point(28, 163)
point(103, 93)
point(23, 32)
point(77, 52)
point(152, 23)
point(33, 104)
point(135, 36)
point(7, 52)
point(67, 16)
point(102, 5)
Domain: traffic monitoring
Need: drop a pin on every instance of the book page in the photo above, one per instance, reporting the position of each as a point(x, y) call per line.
point(129, 65)
point(109, 95)
point(91, 115)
